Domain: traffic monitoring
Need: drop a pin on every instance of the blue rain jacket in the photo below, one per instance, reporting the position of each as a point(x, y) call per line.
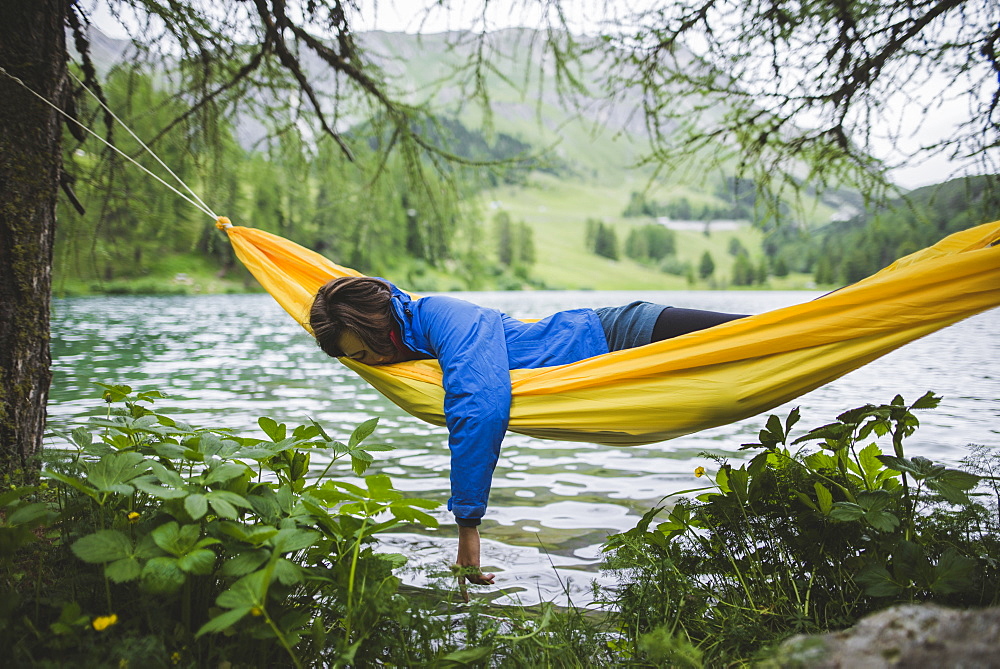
point(476, 348)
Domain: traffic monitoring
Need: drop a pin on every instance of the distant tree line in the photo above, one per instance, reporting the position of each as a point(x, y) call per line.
point(734, 198)
point(515, 244)
point(650, 243)
point(308, 192)
point(681, 209)
point(746, 273)
point(601, 238)
point(656, 245)
point(843, 252)
point(839, 253)
point(647, 243)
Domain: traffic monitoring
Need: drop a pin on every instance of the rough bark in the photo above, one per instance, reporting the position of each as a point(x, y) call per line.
point(33, 49)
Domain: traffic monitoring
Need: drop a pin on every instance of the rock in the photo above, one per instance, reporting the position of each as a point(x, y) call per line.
point(908, 636)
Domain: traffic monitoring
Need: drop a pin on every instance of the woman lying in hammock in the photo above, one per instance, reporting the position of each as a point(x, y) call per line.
point(373, 322)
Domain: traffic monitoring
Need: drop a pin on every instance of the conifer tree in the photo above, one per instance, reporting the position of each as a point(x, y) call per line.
point(706, 267)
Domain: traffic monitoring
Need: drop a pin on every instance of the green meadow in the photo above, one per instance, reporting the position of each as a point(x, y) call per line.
point(557, 211)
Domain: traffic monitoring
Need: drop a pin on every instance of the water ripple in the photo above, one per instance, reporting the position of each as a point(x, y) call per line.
point(226, 360)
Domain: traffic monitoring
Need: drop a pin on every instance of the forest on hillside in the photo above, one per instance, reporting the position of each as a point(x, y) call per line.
point(400, 213)
point(843, 252)
point(400, 217)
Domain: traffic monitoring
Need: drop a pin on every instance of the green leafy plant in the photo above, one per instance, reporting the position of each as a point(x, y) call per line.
point(180, 545)
point(197, 533)
point(22, 516)
point(163, 543)
point(806, 540)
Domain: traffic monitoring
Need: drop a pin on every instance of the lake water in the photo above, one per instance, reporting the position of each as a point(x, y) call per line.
point(227, 360)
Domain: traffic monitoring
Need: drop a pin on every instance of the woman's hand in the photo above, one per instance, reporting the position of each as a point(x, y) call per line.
point(467, 564)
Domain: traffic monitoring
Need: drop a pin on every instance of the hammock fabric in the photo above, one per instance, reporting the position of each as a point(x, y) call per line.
point(696, 381)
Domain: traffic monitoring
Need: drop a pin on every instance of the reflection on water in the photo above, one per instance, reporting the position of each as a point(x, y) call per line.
point(227, 360)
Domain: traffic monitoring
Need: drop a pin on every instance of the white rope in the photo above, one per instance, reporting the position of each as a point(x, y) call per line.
point(197, 204)
point(205, 207)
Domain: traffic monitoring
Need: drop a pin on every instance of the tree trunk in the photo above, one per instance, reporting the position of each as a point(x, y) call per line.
point(33, 49)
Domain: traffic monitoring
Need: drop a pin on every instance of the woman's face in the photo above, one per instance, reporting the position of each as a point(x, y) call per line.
point(355, 349)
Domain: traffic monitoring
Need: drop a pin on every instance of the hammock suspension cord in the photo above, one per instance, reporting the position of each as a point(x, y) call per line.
point(221, 221)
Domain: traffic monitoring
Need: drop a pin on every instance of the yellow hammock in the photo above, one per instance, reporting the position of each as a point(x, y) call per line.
point(696, 381)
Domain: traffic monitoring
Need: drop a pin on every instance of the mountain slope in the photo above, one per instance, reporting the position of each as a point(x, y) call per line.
point(591, 146)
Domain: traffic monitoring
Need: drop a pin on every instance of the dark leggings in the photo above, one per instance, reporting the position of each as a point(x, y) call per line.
point(675, 321)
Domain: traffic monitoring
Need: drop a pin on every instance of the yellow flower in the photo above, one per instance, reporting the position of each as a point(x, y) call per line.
point(101, 623)
point(699, 471)
point(175, 657)
point(256, 611)
point(133, 517)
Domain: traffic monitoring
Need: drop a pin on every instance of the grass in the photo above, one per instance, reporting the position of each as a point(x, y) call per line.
point(188, 274)
point(557, 211)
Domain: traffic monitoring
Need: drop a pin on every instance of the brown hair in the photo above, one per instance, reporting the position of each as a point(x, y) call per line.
point(357, 304)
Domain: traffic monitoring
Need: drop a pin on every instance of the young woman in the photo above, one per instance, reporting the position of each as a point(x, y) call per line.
point(373, 322)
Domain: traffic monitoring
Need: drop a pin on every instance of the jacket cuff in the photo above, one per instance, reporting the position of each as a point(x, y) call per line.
point(468, 522)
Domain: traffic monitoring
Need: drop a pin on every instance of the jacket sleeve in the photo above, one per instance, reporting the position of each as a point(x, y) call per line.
point(469, 343)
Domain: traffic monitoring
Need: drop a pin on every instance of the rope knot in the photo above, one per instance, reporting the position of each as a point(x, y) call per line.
point(222, 223)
